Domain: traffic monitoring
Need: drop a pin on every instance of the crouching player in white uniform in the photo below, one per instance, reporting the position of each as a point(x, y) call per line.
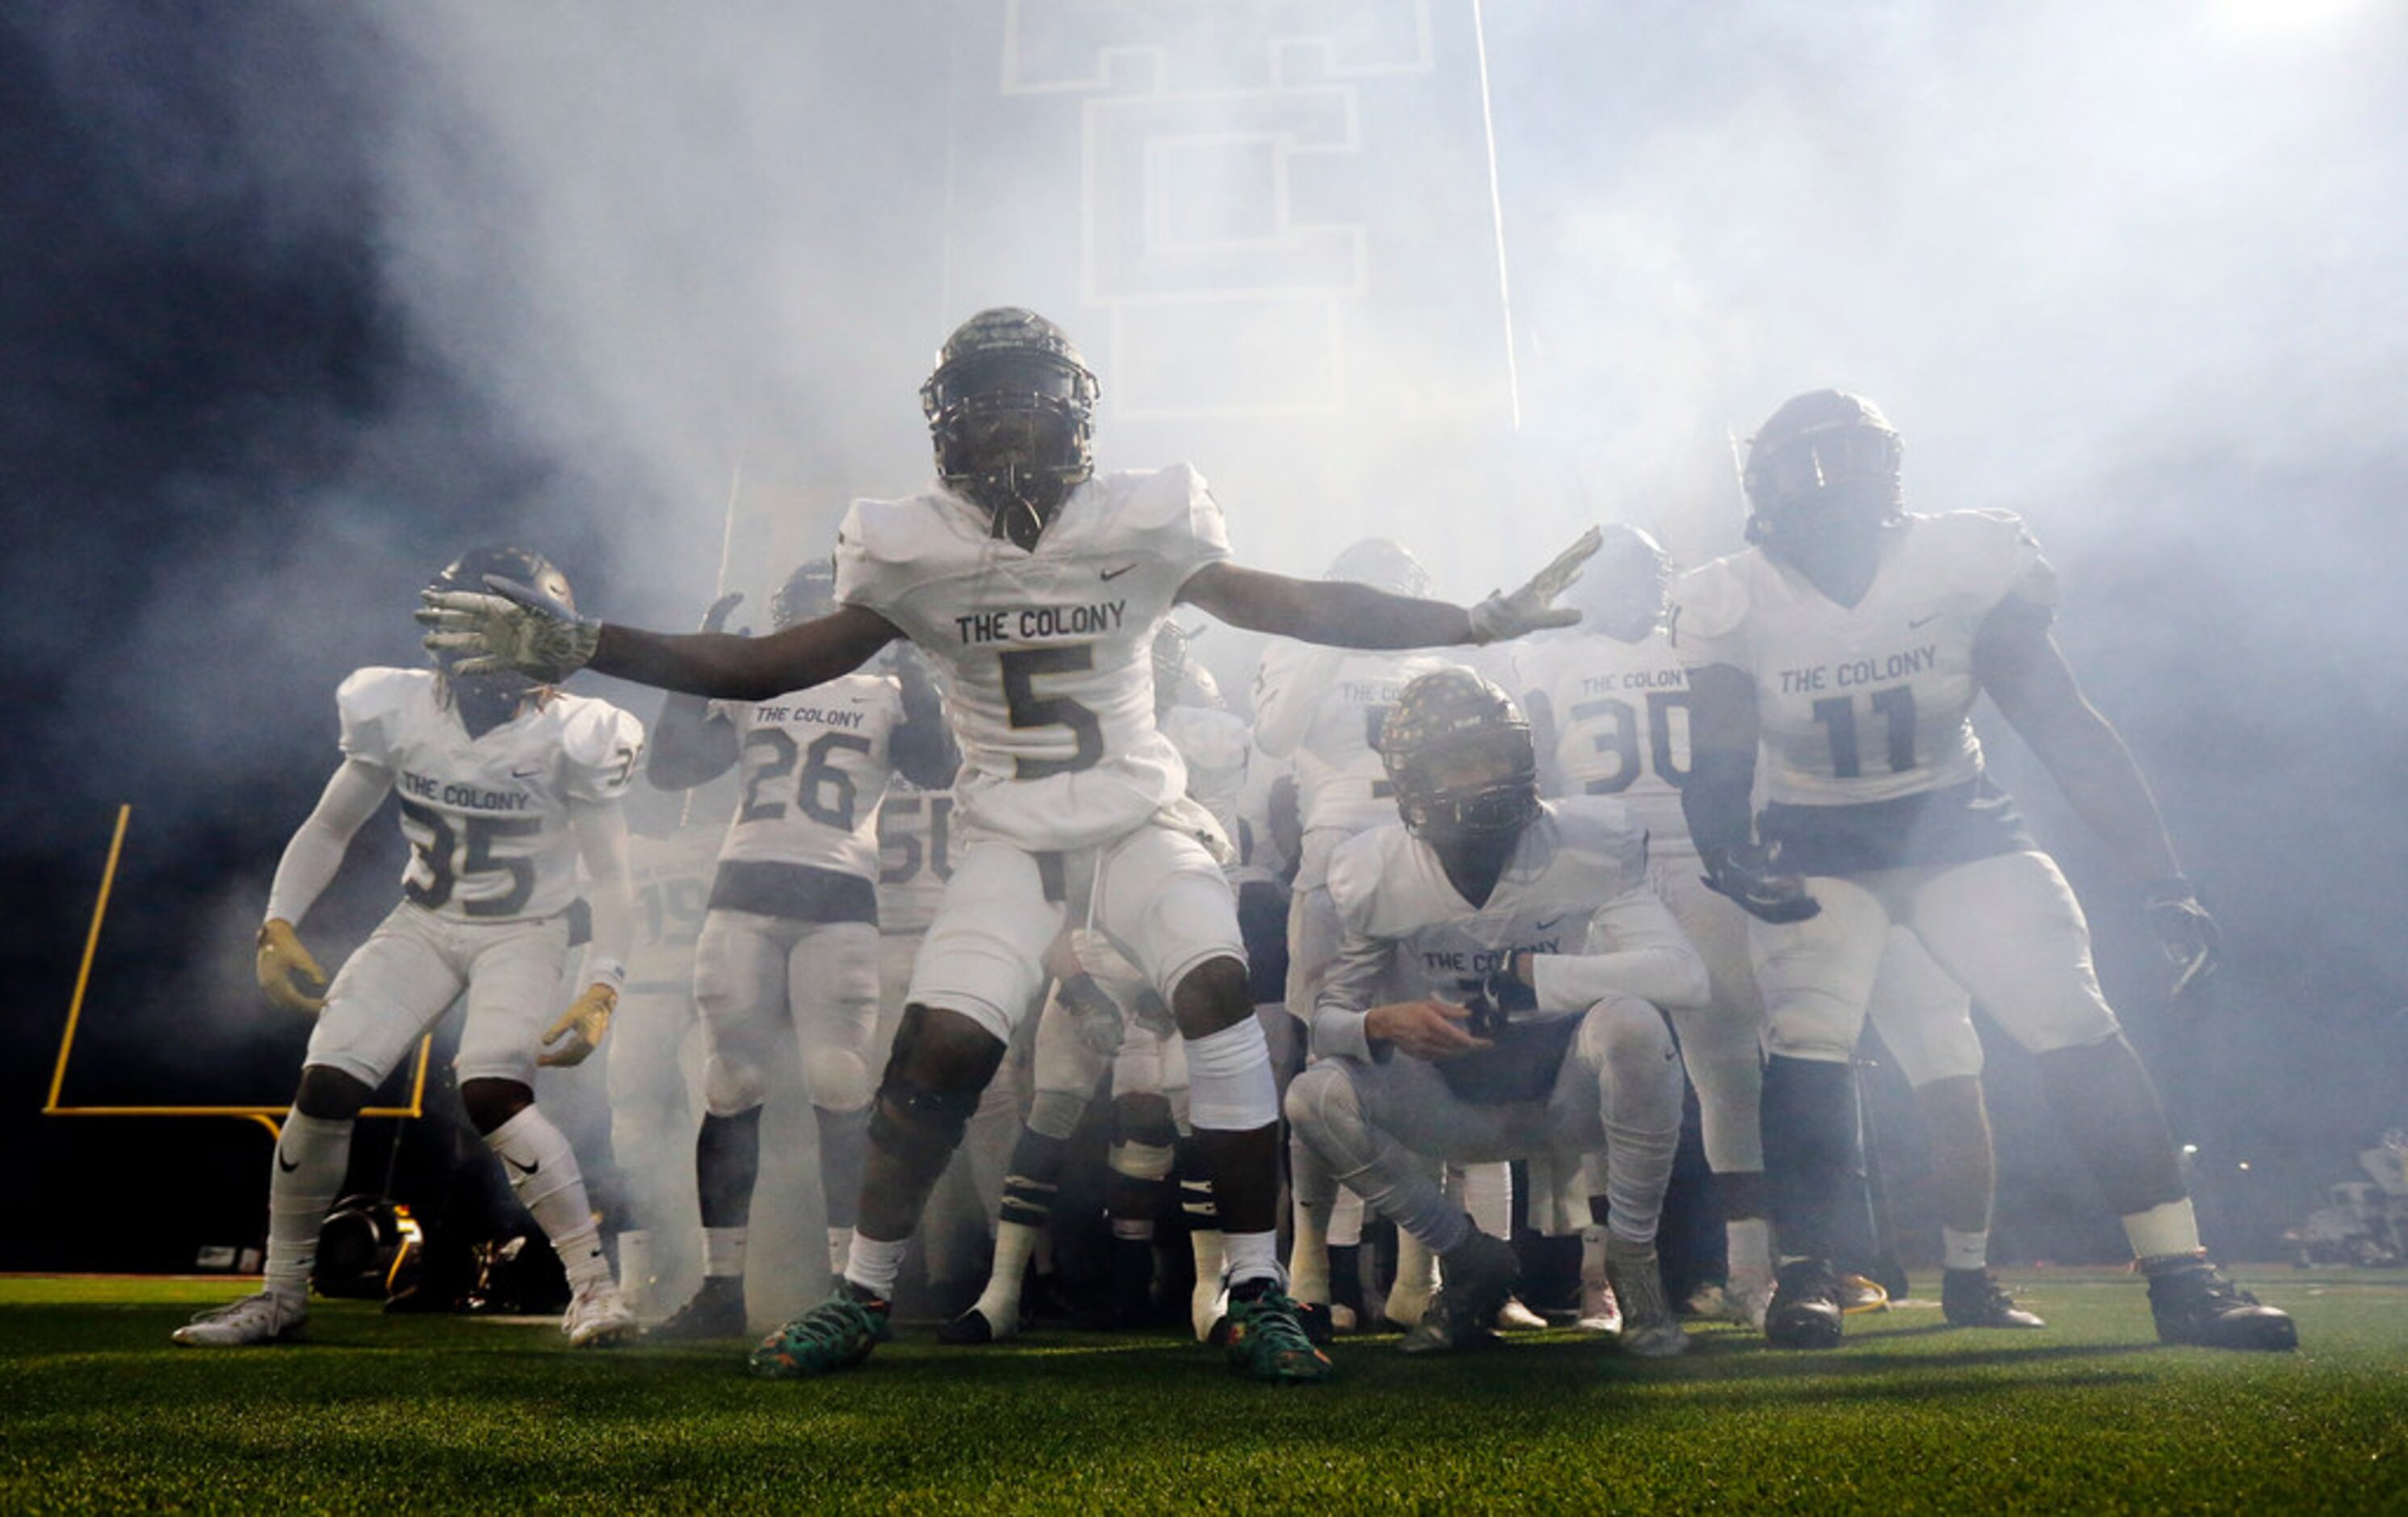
point(1851, 643)
point(504, 788)
point(1537, 914)
point(789, 947)
point(1034, 587)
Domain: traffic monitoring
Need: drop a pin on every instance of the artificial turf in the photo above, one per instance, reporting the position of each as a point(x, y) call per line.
point(98, 1412)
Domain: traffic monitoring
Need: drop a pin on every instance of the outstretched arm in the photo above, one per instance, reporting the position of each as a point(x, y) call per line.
point(1346, 616)
point(744, 668)
point(1334, 613)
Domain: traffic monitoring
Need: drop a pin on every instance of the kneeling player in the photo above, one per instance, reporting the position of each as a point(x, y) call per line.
point(505, 786)
point(1557, 1054)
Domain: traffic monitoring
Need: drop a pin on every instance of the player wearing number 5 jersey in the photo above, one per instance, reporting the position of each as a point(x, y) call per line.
point(789, 947)
point(505, 786)
point(1034, 587)
point(1848, 647)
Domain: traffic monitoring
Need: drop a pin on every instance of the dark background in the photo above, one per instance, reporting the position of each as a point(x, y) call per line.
point(232, 448)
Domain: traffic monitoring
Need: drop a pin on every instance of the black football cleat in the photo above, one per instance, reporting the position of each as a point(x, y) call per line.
point(2195, 1304)
point(1480, 1274)
point(1805, 1309)
point(716, 1311)
point(1320, 1326)
point(1974, 1298)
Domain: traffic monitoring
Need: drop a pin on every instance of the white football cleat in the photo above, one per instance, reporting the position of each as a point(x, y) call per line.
point(1600, 1312)
point(1513, 1317)
point(598, 1317)
point(269, 1317)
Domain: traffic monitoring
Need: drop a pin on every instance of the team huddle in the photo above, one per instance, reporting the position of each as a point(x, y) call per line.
point(1475, 888)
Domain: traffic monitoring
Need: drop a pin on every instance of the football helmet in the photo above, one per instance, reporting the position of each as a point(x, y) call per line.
point(1459, 757)
point(1384, 564)
point(1628, 585)
point(809, 592)
point(1825, 458)
point(487, 701)
point(1010, 411)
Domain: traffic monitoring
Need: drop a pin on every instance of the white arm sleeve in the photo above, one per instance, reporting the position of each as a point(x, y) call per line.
point(1634, 947)
point(317, 849)
point(601, 829)
point(1340, 1012)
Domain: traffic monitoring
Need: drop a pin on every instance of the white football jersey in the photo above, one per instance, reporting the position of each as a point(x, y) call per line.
point(1322, 708)
point(487, 819)
point(915, 842)
point(672, 878)
point(1046, 658)
point(1214, 745)
point(1621, 713)
point(1865, 703)
point(1410, 935)
point(813, 766)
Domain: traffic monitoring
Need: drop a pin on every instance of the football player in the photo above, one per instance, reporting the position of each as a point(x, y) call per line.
point(1320, 708)
point(1609, 704)
point(1849, 644)
point(789, 946)
point(1497, 995)
point(1034, 585)
point(506, 786)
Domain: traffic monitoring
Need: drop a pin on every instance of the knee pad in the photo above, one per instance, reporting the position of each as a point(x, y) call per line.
point(1055, 1114)
point(1320, 1103)
point(732, 1087)
point(837, 1079)
point(1622, 1028)
point(1229, 1084)
point(932, 1086)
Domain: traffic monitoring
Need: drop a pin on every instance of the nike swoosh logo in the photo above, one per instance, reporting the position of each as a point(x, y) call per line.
point(1913, 622)
point(283, 1163)
point(1548, 923)
point(1115, 574)
point(535, 773)
point(524, 1169)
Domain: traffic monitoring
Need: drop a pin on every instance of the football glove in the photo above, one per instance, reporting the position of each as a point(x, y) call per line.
point(1747, 876)
point(285, 968)
point(515, 627)
point(1093, 1015)
point(2185, 929)
point(580, 1028)
point(1528, 609)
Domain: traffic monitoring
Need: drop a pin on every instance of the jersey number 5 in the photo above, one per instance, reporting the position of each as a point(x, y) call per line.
point(1020, 667)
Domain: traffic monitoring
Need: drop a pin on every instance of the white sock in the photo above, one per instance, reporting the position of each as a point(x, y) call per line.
point(312, 1156)
point(2160, 1231)
point(999, 1302)
point(1488, 1196)
point(1592, 1252)
point(1965, 1250)
point(723, 1251)
point(544, 1175)
point(1749, 1241)
point(636, 1267)
point(1346, 1221)
point(874, 1266)
point(1308, 1257)
point(840, 1248)
point(1253, 1256)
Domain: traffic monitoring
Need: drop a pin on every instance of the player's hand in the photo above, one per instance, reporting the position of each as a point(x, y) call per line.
point(2185, 929)
point(285, 968)
point(1429, 1030)
point(1093, 1015)
point(1747, 876)
point(715, 620)
point(514, 626)
point(1530, 608)
point(580, 1028)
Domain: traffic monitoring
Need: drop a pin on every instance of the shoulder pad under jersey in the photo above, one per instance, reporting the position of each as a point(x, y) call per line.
point(1709, 604)
point(370, 703)
point(1989, 554)
point(880, 543)
point(600, 743)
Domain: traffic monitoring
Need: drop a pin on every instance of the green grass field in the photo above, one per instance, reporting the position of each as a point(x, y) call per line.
point(99, 1412)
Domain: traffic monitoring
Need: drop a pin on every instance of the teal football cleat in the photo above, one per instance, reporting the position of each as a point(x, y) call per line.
point(1266, 1342)
point(838, 1334)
